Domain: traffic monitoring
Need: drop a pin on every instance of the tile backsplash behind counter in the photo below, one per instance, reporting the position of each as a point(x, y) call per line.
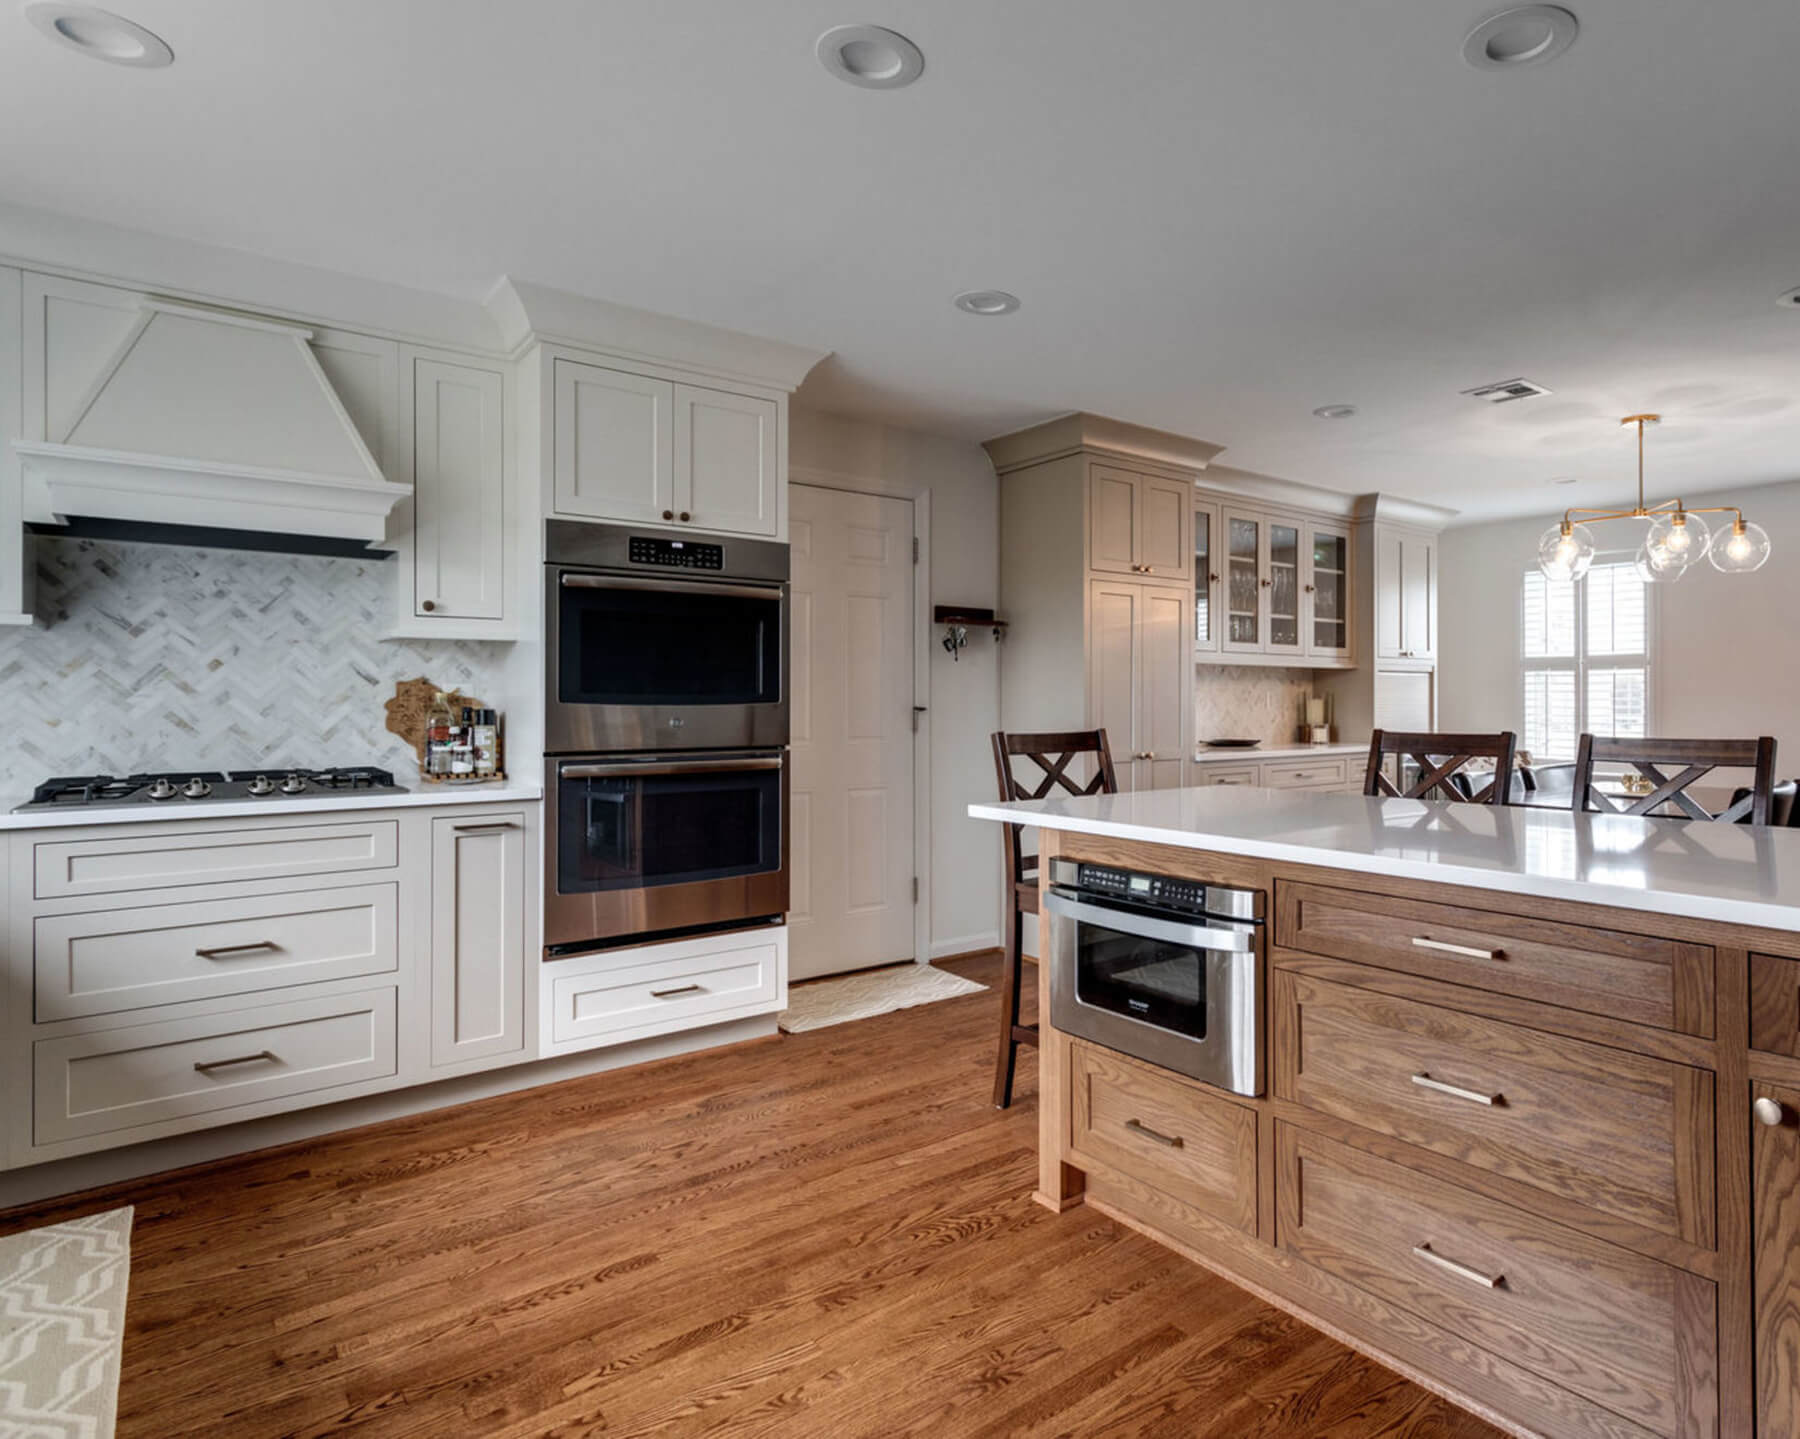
point(1244, 702)
point(162, 657)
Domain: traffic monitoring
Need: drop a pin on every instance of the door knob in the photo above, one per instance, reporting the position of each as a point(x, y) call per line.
point(668, 514)
point(1771, 1112)
point(685, 517)
point(428, 606)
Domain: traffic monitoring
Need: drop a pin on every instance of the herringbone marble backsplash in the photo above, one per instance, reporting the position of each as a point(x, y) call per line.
point(155, 657)
point(1243, 702)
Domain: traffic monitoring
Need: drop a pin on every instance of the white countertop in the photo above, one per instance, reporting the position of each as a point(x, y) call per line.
point(499, 792)
point(1742, 874)
point(1203, 755)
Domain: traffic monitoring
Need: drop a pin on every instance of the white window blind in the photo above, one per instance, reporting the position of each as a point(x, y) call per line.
point(1584, 659)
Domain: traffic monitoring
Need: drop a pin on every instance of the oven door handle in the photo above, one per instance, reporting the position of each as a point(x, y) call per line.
point(1199, 936)
point(667, 767)
point(678, 587)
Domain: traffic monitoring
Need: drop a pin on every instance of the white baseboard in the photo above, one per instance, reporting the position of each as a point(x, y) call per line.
point(89, 1171)
point(965, 943)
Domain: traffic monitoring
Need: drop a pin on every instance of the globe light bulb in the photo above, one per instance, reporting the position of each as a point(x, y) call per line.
point(1655, 569)
point(1565, 551)
point(1738, 548)
point(1675, 541)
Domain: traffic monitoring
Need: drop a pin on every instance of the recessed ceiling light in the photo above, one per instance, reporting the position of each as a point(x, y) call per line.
point(99, 34)
point(869, 56)
point(1564, 479)
point(1335, 412)
point(1791, 300)
point(987, 302)
point(1525, 35)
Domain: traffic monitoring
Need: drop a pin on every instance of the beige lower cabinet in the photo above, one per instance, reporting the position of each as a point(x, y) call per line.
point(477, 937)
point(1140, 672)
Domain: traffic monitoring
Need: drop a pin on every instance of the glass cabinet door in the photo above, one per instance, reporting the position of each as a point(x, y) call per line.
point(1284, 587)
point(1206, 577)
point(1243, 583)
point(1329, 590)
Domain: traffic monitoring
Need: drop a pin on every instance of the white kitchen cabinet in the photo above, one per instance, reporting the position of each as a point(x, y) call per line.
point(1328, 596)
point(477, 938)
point(1405, 594)
point(726, 476)
point(615, 444)
point(1139, 679)
point(460, 530)
point(1139, 524)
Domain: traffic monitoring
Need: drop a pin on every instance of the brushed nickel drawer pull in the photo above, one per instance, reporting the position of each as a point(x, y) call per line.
point(1425, 1081)
point(207, 1066)
point(1469, 951)
point(223, 950)
point(495, 826)
point(1461, 1271)
point(1137, 1126)
point(671, 993)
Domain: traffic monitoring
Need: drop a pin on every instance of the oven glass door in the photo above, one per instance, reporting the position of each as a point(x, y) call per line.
point(1157, 981)
point(648, 643)
point(629, 825)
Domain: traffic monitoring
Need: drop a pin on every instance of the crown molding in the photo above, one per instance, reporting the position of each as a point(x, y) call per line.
point(1070, 433)
point(1396, 510)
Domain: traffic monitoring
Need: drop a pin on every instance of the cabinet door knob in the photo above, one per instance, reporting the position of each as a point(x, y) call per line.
point(1309, 589)
point(668, 514)
point(1265, 584)
point(428, 606)
point(1771, 1112)
point(685, 517)
point(1212, 579)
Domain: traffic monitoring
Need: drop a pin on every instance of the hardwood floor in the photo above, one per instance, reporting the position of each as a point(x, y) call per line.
point(824, 1234)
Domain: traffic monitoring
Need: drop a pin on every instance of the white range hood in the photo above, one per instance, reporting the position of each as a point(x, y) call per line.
point(210, 421)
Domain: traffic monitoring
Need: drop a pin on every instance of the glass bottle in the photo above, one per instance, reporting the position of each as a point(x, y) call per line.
point(438, 726)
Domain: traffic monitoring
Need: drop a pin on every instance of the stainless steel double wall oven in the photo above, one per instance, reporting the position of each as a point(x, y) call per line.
point(666, 731)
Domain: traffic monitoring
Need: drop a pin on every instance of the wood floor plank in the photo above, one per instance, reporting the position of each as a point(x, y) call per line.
point(827, 1235)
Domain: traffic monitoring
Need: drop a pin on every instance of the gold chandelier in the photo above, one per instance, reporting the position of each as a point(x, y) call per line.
point(1674, 543)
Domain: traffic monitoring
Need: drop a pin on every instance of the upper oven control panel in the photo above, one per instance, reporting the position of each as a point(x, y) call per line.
point(676, 554)
point(1162, 891)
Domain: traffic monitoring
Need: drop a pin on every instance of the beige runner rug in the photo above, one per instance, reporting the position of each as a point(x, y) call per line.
point(62, 1326)
point(821, 1002)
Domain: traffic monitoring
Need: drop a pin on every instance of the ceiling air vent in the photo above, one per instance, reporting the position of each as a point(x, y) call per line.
point(1505, 390)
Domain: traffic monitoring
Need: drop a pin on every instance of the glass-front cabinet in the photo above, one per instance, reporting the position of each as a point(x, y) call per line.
point(1271, 584)
point(1328, 590)
point(1244, 583)
point(1206, 577)
point(1282, 577)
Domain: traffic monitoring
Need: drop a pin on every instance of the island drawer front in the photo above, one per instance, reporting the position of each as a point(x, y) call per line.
point(182, 1069)
point(68, 868)
point(1640, 978)
point(105, 961)
point(704, 982)
point(1628, 1333)
point(1303, 773)
point(1615, 1132)
point(1180, 1138)
point(1244, 775)
point(1775, 1004)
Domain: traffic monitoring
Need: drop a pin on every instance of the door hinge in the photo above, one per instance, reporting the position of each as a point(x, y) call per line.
point(915, 889)
point(915, 549)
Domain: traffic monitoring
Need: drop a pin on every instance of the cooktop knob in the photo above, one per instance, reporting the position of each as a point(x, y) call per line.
point(196, 788)
point(161, 789)
point(293, 784)
point(262, 784)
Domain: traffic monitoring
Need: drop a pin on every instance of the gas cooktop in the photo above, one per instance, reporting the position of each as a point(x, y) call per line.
point(181, 787)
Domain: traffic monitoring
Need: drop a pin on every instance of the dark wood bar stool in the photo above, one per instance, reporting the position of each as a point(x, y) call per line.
point(1054, 755)
point(1698, 758)
point(1441, 758)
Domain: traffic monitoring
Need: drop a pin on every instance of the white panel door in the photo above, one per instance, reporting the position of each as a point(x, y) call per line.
point(1418, 595)
point(851, 809)
point(459, 491)
point(725, 467)
point(1165, 510)
point(1166, 653)
point(1115, 669)
point(477, 937)
point(1390, 609)
point(615, 441)
point(1112, 520)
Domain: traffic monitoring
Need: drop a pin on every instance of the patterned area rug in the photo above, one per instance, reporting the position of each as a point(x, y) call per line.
point(62, 1323)
point(822, 1002)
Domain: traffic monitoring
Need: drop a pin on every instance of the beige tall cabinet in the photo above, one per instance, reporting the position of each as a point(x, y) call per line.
point(1097, 583)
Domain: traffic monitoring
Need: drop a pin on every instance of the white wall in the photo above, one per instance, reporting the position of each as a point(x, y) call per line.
point(850, 454)
point(1724, 646)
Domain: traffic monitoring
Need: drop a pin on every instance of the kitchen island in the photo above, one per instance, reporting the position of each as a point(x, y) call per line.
point(1526, 1127)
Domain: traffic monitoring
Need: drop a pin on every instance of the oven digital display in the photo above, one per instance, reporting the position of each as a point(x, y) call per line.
point(676, 554)
point(1140, 884)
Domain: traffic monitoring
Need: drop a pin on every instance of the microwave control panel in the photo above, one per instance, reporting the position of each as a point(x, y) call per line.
point(676, 554)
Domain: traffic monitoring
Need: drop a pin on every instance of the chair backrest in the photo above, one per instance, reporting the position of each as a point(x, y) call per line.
point(1697, 758)
point(1546, 785)
point(1440, 758)
point(1053, 753)
point(1784, 812)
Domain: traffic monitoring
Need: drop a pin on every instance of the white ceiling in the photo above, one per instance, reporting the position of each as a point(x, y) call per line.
point(1218, 215)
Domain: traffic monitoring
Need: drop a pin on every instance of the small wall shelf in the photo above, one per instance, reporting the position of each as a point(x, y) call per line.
point(958, 620)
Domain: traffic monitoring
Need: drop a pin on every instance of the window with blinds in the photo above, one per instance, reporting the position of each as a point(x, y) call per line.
point(1584, 659)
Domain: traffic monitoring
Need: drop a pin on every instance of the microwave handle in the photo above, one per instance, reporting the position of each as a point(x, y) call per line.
point(670, 767)
point(678, 587)
point(1198, 936)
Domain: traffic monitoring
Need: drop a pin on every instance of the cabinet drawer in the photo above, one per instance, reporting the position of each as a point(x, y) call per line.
point(622, 997)
point(1775, 1004)
point(1146, 1124)
point(1303, 774)
point(117, 959)
point(219, 856)
point(1229, 774)
point(1628, 1333)
point(1625, 976)
point(148, 1074)
point(1616, 1132)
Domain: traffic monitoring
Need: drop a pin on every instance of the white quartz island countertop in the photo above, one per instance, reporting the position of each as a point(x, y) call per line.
point(498, 792)
point(1739, 874)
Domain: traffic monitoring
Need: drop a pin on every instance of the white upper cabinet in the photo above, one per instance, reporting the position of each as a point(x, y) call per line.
point(459, 524)
point(1272, 584)
point(1405, 595)
point(1328, 597)
point(1112, 520)
point(1139, 524)
point(615, 444)
point(726, 476)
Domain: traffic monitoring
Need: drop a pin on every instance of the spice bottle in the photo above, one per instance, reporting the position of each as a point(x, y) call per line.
point(462, 746)
point(438, 726)
point(487, 745)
